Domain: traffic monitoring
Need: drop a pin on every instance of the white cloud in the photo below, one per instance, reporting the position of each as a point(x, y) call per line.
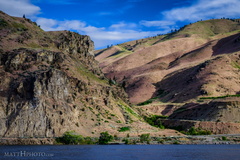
point(123, 25)
point(200, 10)
point(71, 25)
point(19, 8)
point(204, 9)
point(162, 24)
point(54, 25)
point(118, 35)
point(47, 24)
point(102, 37)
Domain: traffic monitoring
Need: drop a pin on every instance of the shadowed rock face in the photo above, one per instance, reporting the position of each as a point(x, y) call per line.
point(216, 111)
point(53, 86)
point(39, 97)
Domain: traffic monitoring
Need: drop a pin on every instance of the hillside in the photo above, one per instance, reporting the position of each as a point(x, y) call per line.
point(51, 83)
point(191, 75)
point(162, 55)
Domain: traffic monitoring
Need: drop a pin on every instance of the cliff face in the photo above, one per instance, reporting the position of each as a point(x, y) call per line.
point(40, 97)
point(50, 83)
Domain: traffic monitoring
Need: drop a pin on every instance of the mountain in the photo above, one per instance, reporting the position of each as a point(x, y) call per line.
point(142, 63)
point(187, 70)
point(50, 83)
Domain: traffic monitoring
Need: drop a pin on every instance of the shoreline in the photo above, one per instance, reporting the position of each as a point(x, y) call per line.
point(180, 140)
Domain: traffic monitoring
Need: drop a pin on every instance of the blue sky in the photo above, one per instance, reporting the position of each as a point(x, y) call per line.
point(115, 21)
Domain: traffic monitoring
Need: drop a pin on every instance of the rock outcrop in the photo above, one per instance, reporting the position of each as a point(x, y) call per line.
point(50, 83)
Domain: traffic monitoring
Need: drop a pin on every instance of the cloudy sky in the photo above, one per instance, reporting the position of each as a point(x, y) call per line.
point(115, 21)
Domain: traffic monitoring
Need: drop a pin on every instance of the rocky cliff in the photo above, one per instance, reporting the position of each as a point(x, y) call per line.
point(50, 83)
point(43, 95)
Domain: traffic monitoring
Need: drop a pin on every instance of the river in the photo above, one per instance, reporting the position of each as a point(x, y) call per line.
point(121, 152)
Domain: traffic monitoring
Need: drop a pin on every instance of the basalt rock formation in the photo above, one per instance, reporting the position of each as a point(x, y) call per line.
point(50, 83)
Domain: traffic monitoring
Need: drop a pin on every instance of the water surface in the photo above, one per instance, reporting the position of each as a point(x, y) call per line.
point(122, 152)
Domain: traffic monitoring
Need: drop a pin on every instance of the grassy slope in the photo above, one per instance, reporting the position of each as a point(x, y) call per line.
point(203, 31)
point(210, 29)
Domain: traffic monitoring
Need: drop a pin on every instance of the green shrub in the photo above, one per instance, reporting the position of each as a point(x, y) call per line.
point(154, 121)
point(161, 126)
point(112, 82)
point(194, 131)
point(19, 26)
point(70, 137)
point(3, 23)
point(126, 141)
point(88, 140)
point(236, 95)
point(176, 142)
point(124, 129)
point(148, 101)
point(224, 138)
point(129, 110)
point(235, 64)
point(145, 138)
point(129, 141)
point(104, 138)
point(145, 103)
point(161, 141)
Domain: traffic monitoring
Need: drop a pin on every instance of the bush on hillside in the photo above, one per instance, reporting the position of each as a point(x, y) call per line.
point(104, 138)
